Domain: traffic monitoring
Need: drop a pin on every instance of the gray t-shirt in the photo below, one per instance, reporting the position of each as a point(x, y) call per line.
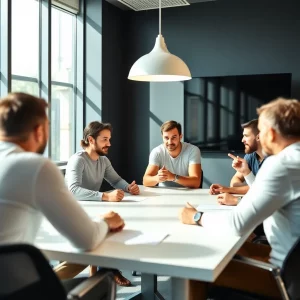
point(189, 155)
point(84, 176)
point(31, 187)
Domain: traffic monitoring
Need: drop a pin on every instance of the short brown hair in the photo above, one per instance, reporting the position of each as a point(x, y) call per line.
point(169, 125)
point(253, 124)
point(20, 113)
point(284, 116)
point(93, 130)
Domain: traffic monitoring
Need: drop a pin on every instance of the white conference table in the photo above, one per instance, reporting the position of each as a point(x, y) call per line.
point(188, 252)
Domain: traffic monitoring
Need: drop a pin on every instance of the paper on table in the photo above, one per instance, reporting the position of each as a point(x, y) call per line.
point(134, 237)
point(133, 198)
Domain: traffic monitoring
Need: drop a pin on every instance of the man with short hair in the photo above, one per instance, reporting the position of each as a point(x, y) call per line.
point(32, 187)
point(273, 198)
point(173, 163)
point(249, 165)
point(86, 169)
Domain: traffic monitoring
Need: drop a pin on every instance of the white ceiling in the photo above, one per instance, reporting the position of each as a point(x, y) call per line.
point(124, 7)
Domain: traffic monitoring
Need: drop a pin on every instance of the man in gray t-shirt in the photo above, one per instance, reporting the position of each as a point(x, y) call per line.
point(174, 163)
point(87, 169)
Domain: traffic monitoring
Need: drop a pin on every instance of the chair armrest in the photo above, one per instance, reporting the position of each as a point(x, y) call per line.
point(276, 272)
point(258, 264)
point(261, 239)
point(101, 285)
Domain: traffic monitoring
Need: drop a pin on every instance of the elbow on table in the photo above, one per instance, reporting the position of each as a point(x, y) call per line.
point(196, 185)
point(146, 183)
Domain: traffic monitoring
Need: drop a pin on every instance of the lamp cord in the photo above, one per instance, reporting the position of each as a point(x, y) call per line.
point(160, 17)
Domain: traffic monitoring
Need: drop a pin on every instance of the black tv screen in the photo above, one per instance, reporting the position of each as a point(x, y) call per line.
point(215, 107)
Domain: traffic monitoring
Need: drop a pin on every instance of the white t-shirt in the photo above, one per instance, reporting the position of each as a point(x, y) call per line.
point(274, 199)
point(31, 187)
point(189, 155)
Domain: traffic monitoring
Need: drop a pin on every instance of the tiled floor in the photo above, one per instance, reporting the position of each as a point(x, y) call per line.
point(164, 285)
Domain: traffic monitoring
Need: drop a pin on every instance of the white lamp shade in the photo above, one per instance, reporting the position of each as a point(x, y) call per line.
point(159, 65)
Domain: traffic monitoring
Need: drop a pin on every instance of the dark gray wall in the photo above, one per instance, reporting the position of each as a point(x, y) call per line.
point(114, 101)
point(225, 37)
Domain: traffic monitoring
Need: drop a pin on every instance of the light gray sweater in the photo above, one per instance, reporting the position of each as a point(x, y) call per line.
point(84, 176)
point(32, 187)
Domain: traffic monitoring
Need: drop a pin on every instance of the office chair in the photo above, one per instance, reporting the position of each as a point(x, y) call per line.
point(201, 183)
point(26, 274)
point(287, 278)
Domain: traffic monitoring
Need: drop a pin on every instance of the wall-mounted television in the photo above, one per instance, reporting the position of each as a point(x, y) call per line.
point(215, 107)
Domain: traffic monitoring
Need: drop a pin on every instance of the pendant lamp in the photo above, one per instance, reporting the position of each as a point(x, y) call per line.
point(159, 65)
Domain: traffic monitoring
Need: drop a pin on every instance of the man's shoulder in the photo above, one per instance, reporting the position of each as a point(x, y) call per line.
point(24, 161)
point(78, 156)
point(159, 149)
point(187, 147)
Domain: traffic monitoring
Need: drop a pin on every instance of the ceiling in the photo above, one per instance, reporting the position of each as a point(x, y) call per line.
point(124, 7)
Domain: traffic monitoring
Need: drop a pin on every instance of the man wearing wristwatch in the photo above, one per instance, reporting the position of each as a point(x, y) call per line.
point(174, 163)
point(273, 198)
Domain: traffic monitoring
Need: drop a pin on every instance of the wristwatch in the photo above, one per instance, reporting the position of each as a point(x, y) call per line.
point(176, 177)
point(197, 217)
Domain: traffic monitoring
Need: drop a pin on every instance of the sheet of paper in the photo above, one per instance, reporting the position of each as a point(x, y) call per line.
point(132, 198)
point(135, 237)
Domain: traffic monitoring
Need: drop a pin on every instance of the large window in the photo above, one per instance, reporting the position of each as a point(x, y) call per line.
point(62, 104)
point(26, 49)
point(25, 46)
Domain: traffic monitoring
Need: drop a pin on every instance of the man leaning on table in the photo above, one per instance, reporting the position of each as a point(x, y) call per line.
point(173, 163)
point(32, 187)
point(247, 167)
point(273, 198)
point(86, 170)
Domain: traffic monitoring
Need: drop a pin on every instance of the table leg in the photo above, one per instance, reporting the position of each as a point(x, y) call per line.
point(148, 289)
point(180, 288)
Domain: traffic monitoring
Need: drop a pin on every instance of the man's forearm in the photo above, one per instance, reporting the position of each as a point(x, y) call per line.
point(149, 180)
point(188, 181)
point(238, 189)
point(236, 181)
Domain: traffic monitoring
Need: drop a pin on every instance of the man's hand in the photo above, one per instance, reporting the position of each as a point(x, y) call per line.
point(165, 175)
point(227, 199)
point(133, 188)
point(240, 165)
point(218, 189)
point(114, 221)
point(162, 174)
point(186, 214)
point(114, 196)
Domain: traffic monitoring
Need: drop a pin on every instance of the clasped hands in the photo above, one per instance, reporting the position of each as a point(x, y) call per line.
point(164, 174)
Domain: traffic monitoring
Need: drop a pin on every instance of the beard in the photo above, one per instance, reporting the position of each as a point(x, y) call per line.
point(43, 146)
point(172, 147)
point(102, 152)
point(250, 149)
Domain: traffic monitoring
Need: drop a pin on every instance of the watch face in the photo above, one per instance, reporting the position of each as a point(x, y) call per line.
point(197, 216)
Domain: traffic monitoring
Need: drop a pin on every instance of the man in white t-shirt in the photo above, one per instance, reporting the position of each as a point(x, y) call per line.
point(32, 187)
point(174, 163)
point(273, 198)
